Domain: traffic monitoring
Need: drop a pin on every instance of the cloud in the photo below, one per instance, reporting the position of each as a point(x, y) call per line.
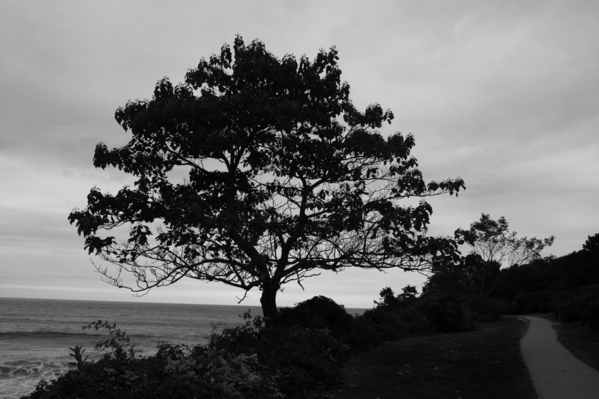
point(503, 94)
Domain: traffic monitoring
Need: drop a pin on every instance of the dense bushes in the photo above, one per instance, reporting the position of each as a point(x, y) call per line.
point(298, 355)
point(403, 315)
point(581, 304)
point(295, 356)
point(249, 361)
point(317, 313)
point(447, 312)
point(322, 313)
point(174, 372)
point(388, 325)
point(483, 309)
point(305, 360)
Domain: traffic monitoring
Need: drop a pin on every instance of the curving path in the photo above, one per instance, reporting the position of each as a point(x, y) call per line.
point(554, 370)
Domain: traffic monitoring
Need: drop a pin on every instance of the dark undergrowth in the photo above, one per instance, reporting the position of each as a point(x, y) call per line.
point(301, 354)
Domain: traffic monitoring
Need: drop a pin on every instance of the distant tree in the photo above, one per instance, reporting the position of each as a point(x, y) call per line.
point(493, 241)
point(284, 177)
point(497, 247)
point(391, 301)
point(468, 275)
point(592, 244)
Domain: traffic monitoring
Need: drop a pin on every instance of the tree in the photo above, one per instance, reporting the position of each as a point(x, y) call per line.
point(497, 247)
point(455, 277)
point(591, 245)
point(285, 177)
point(389, 301)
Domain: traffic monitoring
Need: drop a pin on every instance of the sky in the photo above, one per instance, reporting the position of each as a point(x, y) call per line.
point(504, 94)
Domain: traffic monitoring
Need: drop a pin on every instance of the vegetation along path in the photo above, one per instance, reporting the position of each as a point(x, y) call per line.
point(555, 372)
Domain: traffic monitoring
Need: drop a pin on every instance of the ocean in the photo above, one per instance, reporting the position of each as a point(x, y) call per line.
point(35, 334)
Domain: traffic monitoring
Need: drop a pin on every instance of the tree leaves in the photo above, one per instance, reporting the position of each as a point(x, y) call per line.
point(492, 240)
point(275, 184)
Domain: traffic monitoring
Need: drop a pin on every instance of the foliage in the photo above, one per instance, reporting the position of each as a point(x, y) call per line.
point(533, 306)
point(390, 301)
point(447, 312)
point(581, 304)
point(546, 280)
point(174, 372)
point(284, 177)
point(496, 247)
point(306, 360)
point(464, 276)
point(493, 241)
point(119, 343)
point(397, 316)
point(388, 325)
point(467, 281)
point(484, 309)
point(592, 244)
point(318, 313)
point(299, 355)
point(364, 335)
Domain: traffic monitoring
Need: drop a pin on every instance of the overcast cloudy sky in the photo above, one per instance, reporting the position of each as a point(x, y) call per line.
point(504, 94)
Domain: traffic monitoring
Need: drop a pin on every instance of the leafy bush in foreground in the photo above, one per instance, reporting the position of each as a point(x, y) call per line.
point(249, 361)
point(306, 360)
point(174, 372)
point(297, 356)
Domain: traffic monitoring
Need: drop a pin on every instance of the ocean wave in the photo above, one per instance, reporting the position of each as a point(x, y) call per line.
point(18, 378)
point(45, 333)
point(57, 334)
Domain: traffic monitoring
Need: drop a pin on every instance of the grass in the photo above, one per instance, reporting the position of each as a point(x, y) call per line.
point(578, 338)
point(482, 364)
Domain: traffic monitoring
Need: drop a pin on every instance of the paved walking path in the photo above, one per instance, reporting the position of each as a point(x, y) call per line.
point(555, 372)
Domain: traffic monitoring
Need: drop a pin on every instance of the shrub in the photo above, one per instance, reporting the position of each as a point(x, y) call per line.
point(317, 313)
point(518, 306)
point(485, 309)
point(397, 316)
point(388, 325)
point(364, 334)
point(305, 360)
point(415, 321)
point(545, 298)
point(533, 306)
point(446, 312)
point(174, 372)
point(320, 313)
point(581, 304)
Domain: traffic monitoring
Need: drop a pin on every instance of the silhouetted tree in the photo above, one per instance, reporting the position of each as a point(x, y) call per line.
point(493, 241)
point(497, 247)
point(284, 177)
point(452, 277)
point(592, 244)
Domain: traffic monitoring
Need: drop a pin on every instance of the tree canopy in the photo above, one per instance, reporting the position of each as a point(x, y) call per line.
point(284, 177)
point(592, 244)
point(494, 246)
point(492, 241)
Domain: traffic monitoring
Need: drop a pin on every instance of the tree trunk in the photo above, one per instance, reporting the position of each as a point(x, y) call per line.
point(268, 300)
